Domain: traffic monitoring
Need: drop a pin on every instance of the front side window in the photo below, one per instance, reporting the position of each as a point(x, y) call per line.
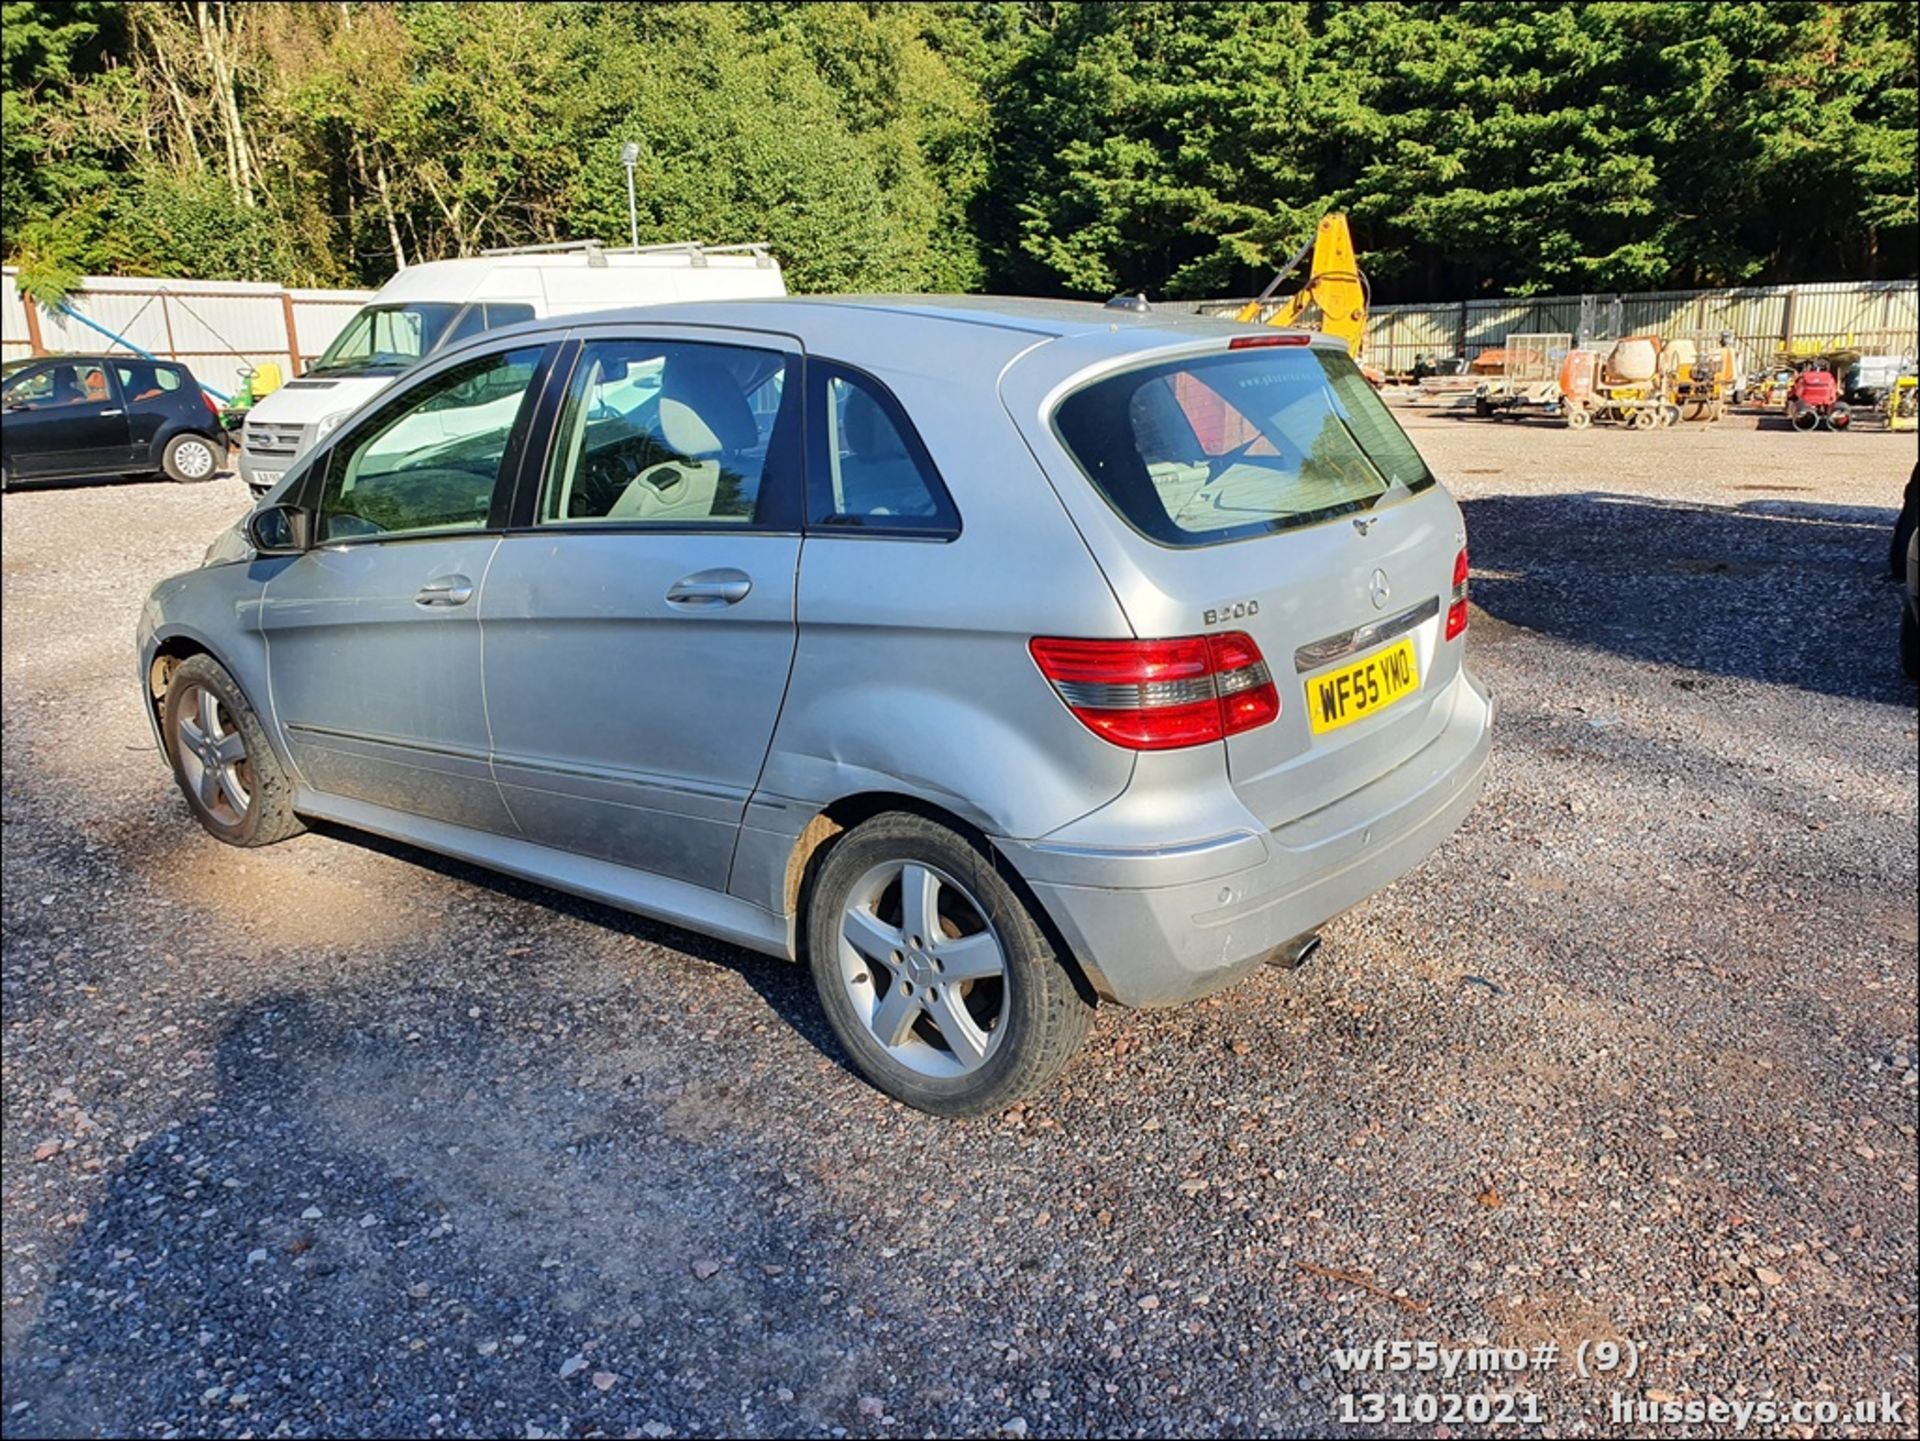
point(386, 337)
point(870, 471)
point(1219, 447)
point(664, 433)
point(430, 460)
point(63, 384)
point(484, 315)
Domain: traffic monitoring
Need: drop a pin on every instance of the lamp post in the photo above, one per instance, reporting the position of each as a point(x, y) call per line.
point(629, 157)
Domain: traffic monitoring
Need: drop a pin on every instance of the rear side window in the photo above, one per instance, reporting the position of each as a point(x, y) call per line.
point(147, 382)
point(1219, 447)
point(869, 470)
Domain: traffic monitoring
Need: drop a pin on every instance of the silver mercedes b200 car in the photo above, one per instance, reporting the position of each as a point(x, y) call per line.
point(993, 657)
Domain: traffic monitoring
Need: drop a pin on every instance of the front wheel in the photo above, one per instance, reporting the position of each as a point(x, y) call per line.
point(1579, 418)
point(226, 769)
point(936, 979)
point(189, 459)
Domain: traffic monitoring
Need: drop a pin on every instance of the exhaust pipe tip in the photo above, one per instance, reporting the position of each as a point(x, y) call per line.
point(1293, 954)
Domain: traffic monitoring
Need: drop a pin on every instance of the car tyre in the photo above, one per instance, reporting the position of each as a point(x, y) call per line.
point(190, 458)
point(1909, 643)
point(222, 760)
point(902, 905)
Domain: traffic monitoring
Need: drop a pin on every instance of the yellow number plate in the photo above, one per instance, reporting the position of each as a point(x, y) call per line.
point(1343, 696)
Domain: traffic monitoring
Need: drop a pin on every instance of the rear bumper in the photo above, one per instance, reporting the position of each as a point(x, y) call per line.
point(1178, 923)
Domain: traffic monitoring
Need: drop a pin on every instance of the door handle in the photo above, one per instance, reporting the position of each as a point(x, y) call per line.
point(445, 590)
point(105, 413)
point(710, 589)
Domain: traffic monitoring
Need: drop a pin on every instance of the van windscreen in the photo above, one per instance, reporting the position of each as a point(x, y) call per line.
point(1211, 448)
point(386, 337)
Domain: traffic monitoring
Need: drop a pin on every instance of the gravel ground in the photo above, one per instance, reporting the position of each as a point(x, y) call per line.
point(337, 1137)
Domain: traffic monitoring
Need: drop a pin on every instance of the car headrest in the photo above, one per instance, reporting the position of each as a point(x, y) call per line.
point(866, 431)
point(702, 411)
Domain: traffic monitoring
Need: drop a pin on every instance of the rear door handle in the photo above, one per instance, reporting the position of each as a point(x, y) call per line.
point(105, 413)
point(710, 589)
point(445, 590)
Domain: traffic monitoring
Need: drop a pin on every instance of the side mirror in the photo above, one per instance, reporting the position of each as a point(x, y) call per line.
point(280, 530)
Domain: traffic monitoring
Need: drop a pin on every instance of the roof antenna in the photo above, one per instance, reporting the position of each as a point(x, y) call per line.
point(1136, 303)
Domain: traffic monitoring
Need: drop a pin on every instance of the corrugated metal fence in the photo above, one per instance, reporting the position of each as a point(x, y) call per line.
point(1876, 317)
point(216, 328)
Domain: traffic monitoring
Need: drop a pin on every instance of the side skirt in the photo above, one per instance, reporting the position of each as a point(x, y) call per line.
point(677, 902)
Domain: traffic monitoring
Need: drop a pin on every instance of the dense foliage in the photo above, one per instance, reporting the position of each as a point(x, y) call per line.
point(1177, 148)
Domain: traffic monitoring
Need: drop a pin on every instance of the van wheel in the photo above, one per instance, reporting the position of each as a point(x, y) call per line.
point(221, 758)
point(937, 981)
point(190, 458)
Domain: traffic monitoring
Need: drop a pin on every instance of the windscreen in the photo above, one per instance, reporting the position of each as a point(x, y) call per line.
point(1219, 447)
point(386, 337)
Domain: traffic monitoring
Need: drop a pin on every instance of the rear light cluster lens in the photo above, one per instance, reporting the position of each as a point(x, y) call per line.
point(210, 403)
point(1155, 695)
point(1457, 611)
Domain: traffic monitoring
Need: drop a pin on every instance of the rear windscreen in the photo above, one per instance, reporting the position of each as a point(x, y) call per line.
point(1219, 447)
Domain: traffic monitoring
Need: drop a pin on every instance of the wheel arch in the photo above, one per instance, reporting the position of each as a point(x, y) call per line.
point(816, 840)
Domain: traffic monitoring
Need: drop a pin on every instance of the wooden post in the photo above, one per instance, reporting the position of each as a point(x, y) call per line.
point(293, 335)
point(35, 344)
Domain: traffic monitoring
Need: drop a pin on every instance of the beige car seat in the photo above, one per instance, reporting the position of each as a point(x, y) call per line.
point(706, 422)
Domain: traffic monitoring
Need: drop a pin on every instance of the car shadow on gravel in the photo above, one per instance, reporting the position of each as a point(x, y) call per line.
point(786, 988)
point(1783, 592)
point(393, 1229)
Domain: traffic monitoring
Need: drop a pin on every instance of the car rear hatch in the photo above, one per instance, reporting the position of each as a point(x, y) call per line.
point(1265, 489)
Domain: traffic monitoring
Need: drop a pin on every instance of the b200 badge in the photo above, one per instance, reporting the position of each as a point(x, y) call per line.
point(1238, 610)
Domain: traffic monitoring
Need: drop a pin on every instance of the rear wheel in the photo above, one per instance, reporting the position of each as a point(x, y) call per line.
point(190, 459)
point(221, 759)
point(936, 979)
point(1840, 417)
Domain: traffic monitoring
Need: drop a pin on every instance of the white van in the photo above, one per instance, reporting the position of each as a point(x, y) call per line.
point(443, 302)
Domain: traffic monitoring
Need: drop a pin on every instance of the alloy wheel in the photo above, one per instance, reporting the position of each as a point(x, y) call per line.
point(213, 756)
point(924, 968)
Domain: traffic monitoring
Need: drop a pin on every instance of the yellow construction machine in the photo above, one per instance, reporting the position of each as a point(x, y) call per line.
point(1334, 298)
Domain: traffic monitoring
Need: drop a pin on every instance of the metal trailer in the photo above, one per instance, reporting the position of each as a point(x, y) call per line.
point(1529, 377)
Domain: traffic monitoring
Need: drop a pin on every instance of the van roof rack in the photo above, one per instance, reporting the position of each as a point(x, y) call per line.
point(699, 252)
point(554, 248)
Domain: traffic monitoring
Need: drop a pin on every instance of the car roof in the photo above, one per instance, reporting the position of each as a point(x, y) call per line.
point(119, 357)
point(966, 332)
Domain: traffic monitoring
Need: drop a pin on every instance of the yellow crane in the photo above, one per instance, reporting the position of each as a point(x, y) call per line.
point(1334, 297)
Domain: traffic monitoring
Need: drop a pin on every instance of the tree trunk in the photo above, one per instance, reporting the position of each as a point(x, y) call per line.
point(211, 21)
point(393, 226)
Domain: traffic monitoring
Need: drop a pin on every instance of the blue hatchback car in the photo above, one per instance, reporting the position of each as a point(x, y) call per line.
point(68, 417)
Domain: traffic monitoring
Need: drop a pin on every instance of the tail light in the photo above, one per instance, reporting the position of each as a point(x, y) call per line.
point(1154, 695)
point(210, 403)
point(1457, 610)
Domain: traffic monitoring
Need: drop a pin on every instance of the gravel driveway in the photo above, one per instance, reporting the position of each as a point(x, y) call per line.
point(337, 1137)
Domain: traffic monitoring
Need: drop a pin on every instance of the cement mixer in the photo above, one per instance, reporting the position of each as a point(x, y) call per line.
point(1632, 382)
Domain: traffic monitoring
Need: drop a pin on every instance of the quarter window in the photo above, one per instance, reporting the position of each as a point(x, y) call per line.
point(431, 460)
point(870, 470)
point(664, 433)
